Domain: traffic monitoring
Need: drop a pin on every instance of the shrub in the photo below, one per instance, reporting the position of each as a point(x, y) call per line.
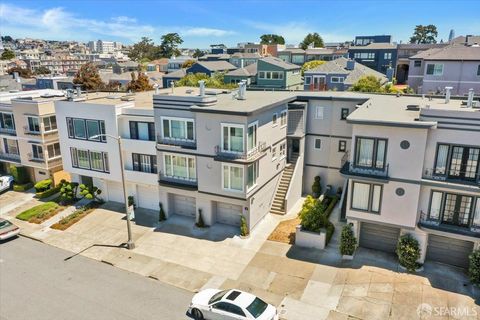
point(316, 187)
point(47, 193)
point(313, 217)
point(333, 201)
point(43, 185)
point(131, 202)
point(19, 174)
point(162, 216)
point(68, 191)
point(330, 230)
point(22, 187)
point(408, 251)
point(91, 192)
point(348, 242)
point(200, 222)
point(243, 226)
point(474, 267)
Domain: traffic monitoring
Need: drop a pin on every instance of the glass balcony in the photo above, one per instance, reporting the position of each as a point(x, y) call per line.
point(251, 155)
point(182, 143)
point(177, 181)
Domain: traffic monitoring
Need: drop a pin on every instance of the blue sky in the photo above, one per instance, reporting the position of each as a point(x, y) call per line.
point(201, 23)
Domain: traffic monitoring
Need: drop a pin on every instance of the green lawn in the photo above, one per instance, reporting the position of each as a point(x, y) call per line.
point(39, 211)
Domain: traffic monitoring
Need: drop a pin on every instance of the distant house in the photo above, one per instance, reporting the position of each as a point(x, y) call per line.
point(339, 75)
point(127, 66)
point(456, 66)
point(215, 57)
point(248, 73)
point(380, 56)
point(292, 55)
point(241, 60)
point(324, 54)
point(55, 82)
point(210, 67)
point(172, 77)
point(159, 65)
point(176, 63)
point(275, 73)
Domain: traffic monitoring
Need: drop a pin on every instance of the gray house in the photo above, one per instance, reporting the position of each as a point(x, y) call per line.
point(455, 66)
point(274, 73)
point(248, 73)
point(339, 75)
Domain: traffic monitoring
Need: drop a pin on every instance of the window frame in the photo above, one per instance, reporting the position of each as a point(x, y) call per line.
point(231, 165)
point(50, 123)
point(2, 120)
point(255, 136)
point(434, 70)
point(337, 79)
point(417, 63)
point(185, 120)
point(255, 166)
point(344, 116)
point(283, 118)
point(187, 158)
point(71, 132)
point(53, 144)
point(282, 150)
point(76, 163)
point(38, 123)
point(153, 163)
point(374, 155)
point(232, 125)
point(316, 115)
point(370, 197)
point(315, 143)
point(274, 153)
point(274, 119)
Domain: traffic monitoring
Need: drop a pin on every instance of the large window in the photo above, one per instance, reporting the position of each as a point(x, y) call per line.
point(252, 175)
point(142, 130)
point(232, 138)
point(7, 121)
point(176, 128)
point(144, 163)
point(53, 150)
point(457, 162)
point(180, 167)
point(33, 124)
point(252, 136)
point(232, 177)
point(364, 55)
point(370, 152)
point(298, 58)
point(366, 197)
point(454, 209)
point(91, 160)
point(435, 69)
point(50, 123)
point(37, 152)
point(86, 129)
point(271, 75)
point(10, 146)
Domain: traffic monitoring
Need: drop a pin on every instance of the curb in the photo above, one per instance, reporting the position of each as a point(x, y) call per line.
point(30, 237)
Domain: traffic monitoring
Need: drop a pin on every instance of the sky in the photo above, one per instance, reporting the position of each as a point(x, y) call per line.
point(201, 23)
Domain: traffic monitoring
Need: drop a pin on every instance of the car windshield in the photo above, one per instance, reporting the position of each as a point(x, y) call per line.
point(5, 223)
point(217, 296)
point(257, 307)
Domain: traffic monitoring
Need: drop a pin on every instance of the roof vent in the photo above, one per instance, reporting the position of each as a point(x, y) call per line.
point(413, 107)
point(128, 98)
point(470, 98)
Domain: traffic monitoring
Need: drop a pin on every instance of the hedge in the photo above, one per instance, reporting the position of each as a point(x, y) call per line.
point(19, 174)
point(330, 230)
point(41, 209)
point(22, 187)
point(43, 185)
point(47, 193)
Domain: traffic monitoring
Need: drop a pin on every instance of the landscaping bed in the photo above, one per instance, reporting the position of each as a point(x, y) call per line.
point(41, 213)
point(285, 231)
point(76, 216)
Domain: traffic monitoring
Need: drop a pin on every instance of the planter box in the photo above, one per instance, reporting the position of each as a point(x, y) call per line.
point(419, 269)
point(309, 239)
point(347, 257)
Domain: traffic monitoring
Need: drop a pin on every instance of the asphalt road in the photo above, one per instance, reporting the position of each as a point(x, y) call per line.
point(37, 283)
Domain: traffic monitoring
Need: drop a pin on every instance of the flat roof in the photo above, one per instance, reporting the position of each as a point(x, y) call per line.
point(142, 100)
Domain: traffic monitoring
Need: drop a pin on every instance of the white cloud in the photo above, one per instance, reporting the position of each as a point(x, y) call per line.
point(206, 32)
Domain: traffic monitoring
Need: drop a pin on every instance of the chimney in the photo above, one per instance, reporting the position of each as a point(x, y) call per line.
point(157, 90)
point(448, 91)
point(201, 83)
point(242, 88)
point(350, 64)
point(172, 85)
point(470, 98)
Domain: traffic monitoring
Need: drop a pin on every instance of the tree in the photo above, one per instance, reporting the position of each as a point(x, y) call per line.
point(42, 70)
point(68, 191)
point(89, 77)
point(348, 242)
point(7, 39)
point(367, 84)
point(408, 252)
point(188, 63)
point(24, 73)
point(215, 81)
point(311, 65)
point(271, 39)
point(143, 49)
point(424, 34)
point(169, 45)
point(7, 55)
point(141, 83)
point(312, 38)
point(198, 53)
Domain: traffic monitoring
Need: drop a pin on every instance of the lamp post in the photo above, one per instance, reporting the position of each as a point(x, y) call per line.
point(130, 243)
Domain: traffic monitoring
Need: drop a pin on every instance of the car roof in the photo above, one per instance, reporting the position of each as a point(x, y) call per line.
point(239, 298)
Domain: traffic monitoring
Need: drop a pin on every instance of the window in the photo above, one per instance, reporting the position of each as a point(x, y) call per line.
point(417, 63)
point(274, 119)
point(271, 75)
point(176, 128)
point(364, 55)
point(144, 163)
point(458, 162)
point(344, 113)
point(366, 197)
point(318, 143)
point(53, 150)
point(37, 151)
point(454, 209)
point(435, 205)
point(79, 129)
point(336, 79)
point(370, 152)
point(252, 136)
point(50, 123)
point(10, 146)
point(435, 69)
point(180, 167)
point(319, 113)
point(298, 58)
point(142, 130)
point(283, 118)
point(230, 308)
point(308, 80)
point(91, 160)
point(283, 150)
point(232, 138)
point(478, 70)
point(252, 175)
point(342, 145)
point(387, 56)
point(232, 177)
point(86, 129)
point(33, 124)
point(257, 307)
point(441, 160)
point(7, 121)
point(274, 153)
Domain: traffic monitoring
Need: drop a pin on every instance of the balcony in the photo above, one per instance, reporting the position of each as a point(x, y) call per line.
point(461, 177)
point(181, 143)
point(54, 162)
point(250, 156)
point(9, 157)
point(8, 131)
point(176, 181)
point(28, 131)
point(349, 169)
point(473, 230)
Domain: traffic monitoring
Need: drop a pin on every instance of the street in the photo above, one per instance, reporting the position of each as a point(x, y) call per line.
point(36, 282)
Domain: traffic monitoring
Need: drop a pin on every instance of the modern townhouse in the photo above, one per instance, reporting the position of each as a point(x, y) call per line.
point(29, 134)
point(274, 73)
point(414, 168)
point(455, 66)
point(380, 56)
point(366, 40)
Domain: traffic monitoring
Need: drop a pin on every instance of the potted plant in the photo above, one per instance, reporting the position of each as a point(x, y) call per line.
point(474, 267)
point(243, 228)
point(131, 202)
point(161, 214)
point(348, 242)
point(200, 223)
point(408, 252)
point(316, 187)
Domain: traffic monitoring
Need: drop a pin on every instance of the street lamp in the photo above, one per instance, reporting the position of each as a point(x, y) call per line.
point(130, 243)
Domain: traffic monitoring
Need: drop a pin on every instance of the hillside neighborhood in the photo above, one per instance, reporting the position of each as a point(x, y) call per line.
point(264, 180)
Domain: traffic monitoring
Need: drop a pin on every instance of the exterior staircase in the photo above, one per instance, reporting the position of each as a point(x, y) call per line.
point(278, 205)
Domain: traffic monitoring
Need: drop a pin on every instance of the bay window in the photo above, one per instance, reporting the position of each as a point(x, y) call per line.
point(50, 123)
point(33, 124)
point(232, 177)
point(366, 197)
point(457, 162)
point(7, 121)
point(37, 152)
point(10, 146)
point(232, 138)
point(176, 128)
point(370, 152)
point(180, 167)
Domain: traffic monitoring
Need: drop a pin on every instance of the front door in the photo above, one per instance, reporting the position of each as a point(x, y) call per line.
point(295, 146)
point(318, 83)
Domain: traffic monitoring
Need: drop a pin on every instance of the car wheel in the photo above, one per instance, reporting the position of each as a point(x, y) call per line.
point(197, 314)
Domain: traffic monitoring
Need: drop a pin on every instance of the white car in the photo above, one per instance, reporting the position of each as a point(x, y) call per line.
point(8, 230)
point(213, 304)
point(6, 182)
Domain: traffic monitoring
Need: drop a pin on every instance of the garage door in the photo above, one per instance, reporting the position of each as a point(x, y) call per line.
point(449, 251)
point(228, 213)
point(379, 237)
point(147, 197)
point(184, 206)
point(115, 191)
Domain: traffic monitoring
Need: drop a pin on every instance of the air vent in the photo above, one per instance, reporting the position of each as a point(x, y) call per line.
point(413, 107)
point(127, 98)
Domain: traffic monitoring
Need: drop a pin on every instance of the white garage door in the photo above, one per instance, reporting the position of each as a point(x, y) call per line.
point(115, 191)
point(228, 213)
point(147, 197)
point(183, 205)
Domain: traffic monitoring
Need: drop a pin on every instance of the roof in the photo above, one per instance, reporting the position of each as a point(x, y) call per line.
point(339, 66)
point(129, 64)
point(375, 45)
point(180, 73)
point(248, 71)
point(246, 55)
point(319, 51)
point(293, 51)
point(215, 55)
point(420, 46)
point(161, 61)
point(216, 65)
point(450, 53)
point(280, 63)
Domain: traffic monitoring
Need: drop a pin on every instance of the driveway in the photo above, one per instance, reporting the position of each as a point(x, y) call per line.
point(10, 200)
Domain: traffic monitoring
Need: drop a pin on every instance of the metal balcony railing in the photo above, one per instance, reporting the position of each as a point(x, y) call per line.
point(351, 169)
point(8, 131)
point(9, 156)
point(252, 154)
point(184, 143)
point(446, 176)
point(176, 180)
point(27, 130)
point(472, 229)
